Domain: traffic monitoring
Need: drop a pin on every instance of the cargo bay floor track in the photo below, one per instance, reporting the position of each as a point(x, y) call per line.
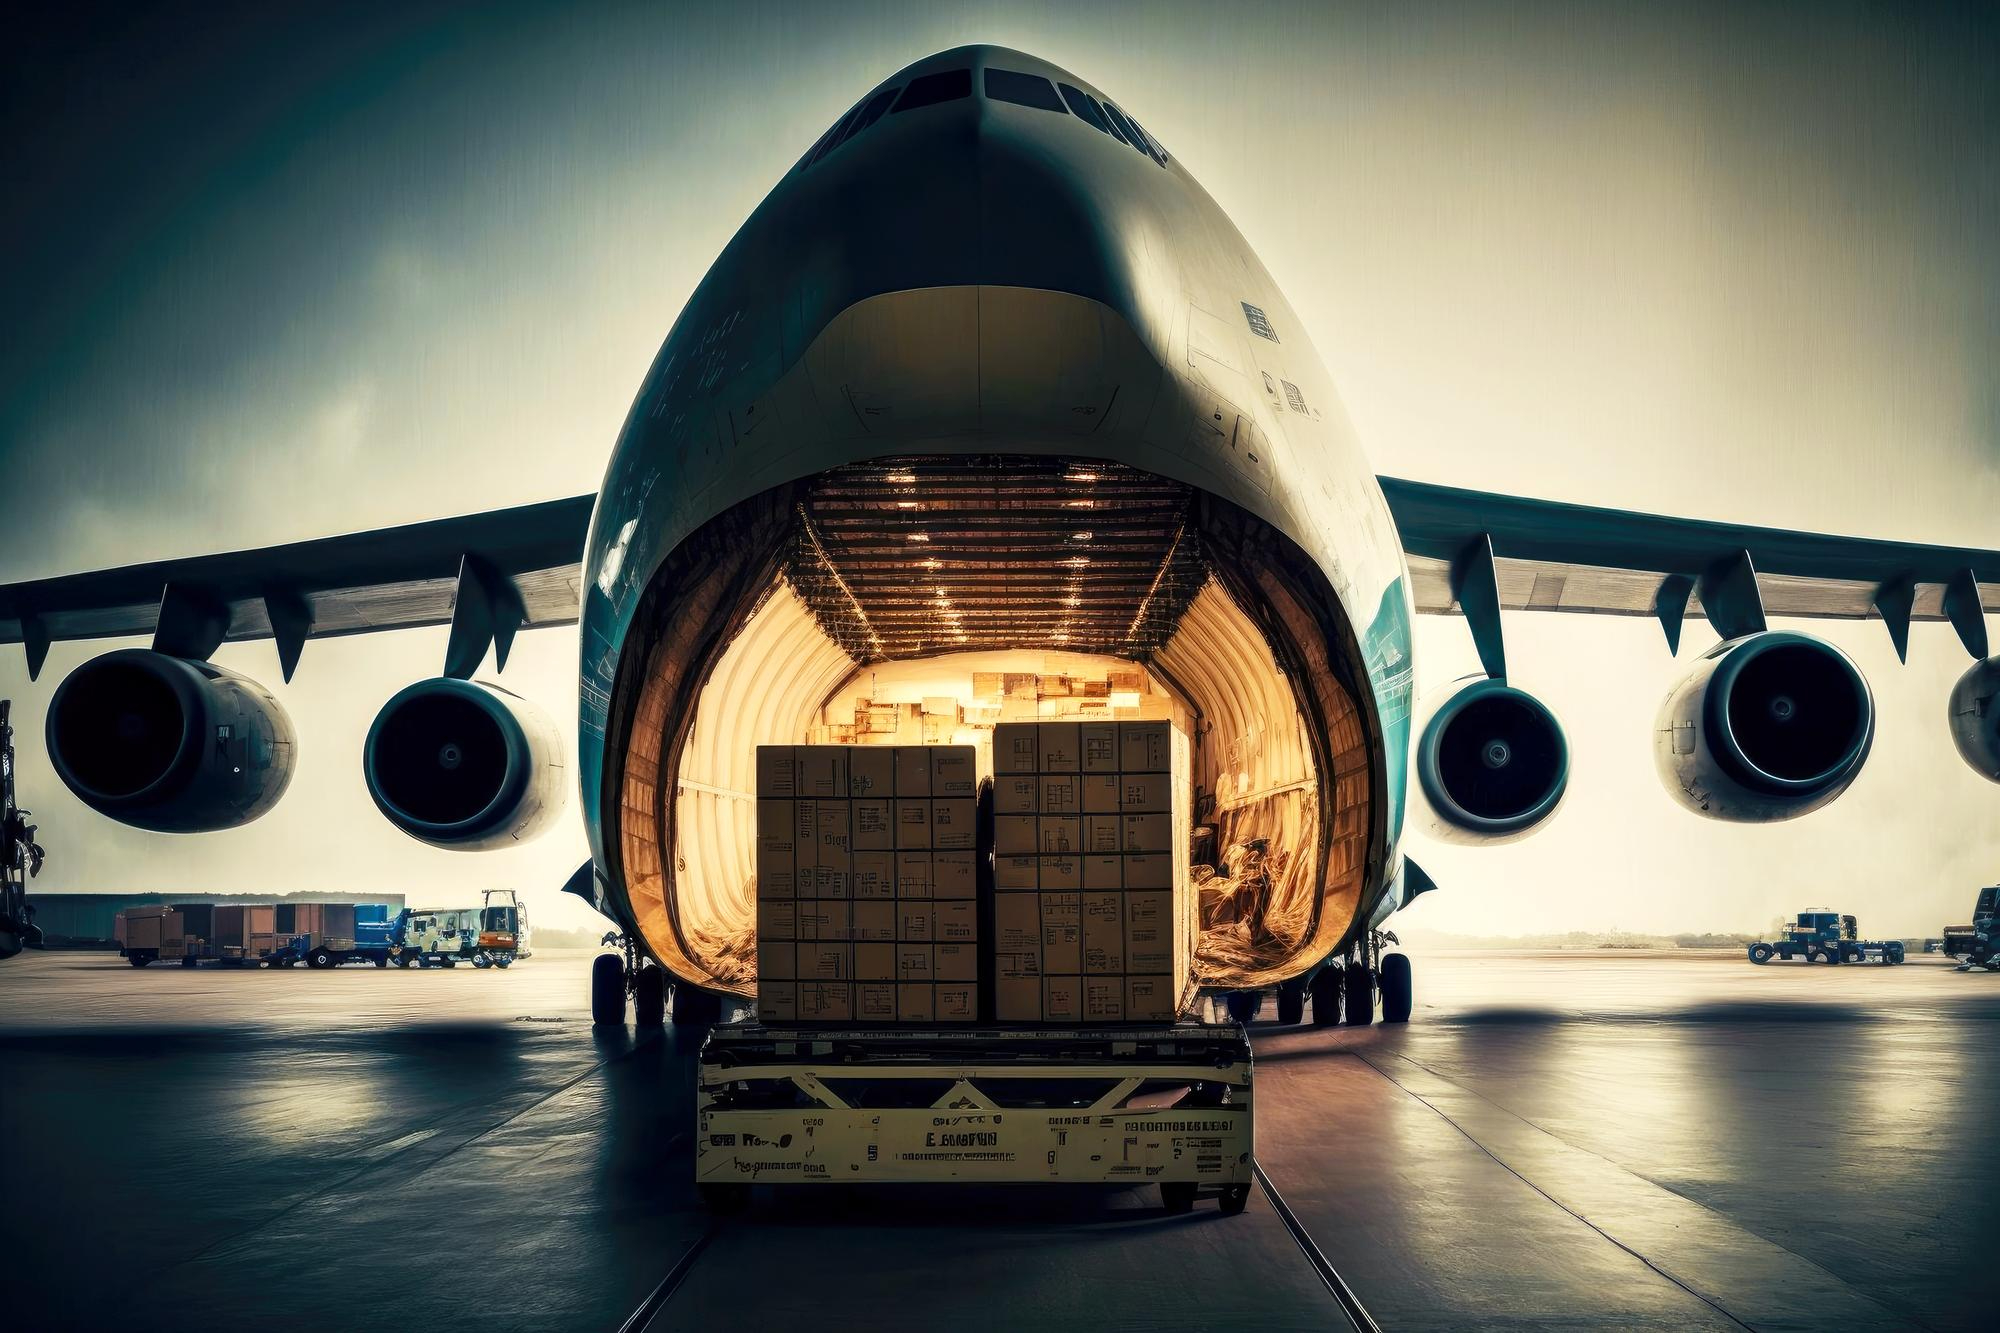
point(1556, 1142)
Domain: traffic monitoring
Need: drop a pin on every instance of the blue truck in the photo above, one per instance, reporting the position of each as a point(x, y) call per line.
point(1825, 937)
point(376, 939)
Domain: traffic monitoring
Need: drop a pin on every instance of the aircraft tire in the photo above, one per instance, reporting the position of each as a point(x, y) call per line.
point(1398, 988)
point(1292, 1004)
point(607, 990)
point(1244, 1005)
point(1327, 984)
point(1357, 1000)
point(649, 997)
point(319, 958)
point(188, 960)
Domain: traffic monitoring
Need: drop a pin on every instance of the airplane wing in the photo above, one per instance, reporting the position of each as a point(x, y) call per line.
point(486, 575)
point(1480, 552)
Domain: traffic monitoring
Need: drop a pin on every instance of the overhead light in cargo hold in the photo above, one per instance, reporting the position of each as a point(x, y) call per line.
point(1080, 476)
point(900, 478)
point(1080, 536)
point(919, 537)
point(1078, 562)
point(907, 504)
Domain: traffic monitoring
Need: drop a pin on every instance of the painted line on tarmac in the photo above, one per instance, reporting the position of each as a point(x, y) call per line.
point(1350, 1304)
point(639, 1319)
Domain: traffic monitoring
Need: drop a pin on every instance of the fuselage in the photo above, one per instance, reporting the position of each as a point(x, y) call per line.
point(957, 273)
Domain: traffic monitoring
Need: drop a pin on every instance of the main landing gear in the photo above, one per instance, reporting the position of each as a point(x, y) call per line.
point(614, 976)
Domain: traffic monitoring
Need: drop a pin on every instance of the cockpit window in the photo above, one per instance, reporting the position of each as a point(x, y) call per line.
point(1004, 85)
point(945, 86)
point(877, 107)
point(832, 138)
point(1124, 126)
point(1085, 107)
point(1152, 145)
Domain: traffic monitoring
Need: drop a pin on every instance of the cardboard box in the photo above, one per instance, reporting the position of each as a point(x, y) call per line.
point(954, 771)
point(821, 775)
point(913, 875)
point(1059, 834)
point(1145, 747)
point(873, 876)
point(777, 1002)
point(955, 875)
point(1103, 835)
point(956, 1002)
point(913, 770)
point(1018, 794)
point(955, 962)
point(1063, 874)
point(777, 876)
point(825, 962)
point(826, 1001)
point(1062, 950)
point(873, 825)
point(1062, 999)
point(916, 920)
point(825, 882)
point(1016, 872)
point(1151, 999)
point(1147, 833)
point(1015, 747)
point(913, 824)
point(1061, 794)
point(871, 771)
point(914, 1003)
point(875, 1001)
point(1015, 835)
point(1017, 1000)
point(1149, 931)
point(1099, 744)
point(776, 771)
point(1145, 793)
point(832, 839)
point(778, 961)
point(822, 919)
point(913, 962)
point(954, 824)
point(1103, 999)
point(956, 921)
point(874, 962)
point(777, 919)
point(1017, 923)
point(1103, 933)
point(1103, 872)
point(1098, 793)
point(873, 919)
point(1059, 748)
point(1150, 871)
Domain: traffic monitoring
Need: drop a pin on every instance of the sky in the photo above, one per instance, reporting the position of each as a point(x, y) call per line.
point(296, 272)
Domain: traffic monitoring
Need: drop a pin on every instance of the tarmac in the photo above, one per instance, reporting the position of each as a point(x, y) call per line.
point(1605, 1140)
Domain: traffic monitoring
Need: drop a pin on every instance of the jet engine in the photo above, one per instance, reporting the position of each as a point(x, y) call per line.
point(1769, 726)
point(167, 744)
point(1975, 717)
point(1492, 763)
point(464, 764)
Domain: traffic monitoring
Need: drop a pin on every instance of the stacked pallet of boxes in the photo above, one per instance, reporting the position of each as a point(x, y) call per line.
point(1093, 921)
point(867, 884)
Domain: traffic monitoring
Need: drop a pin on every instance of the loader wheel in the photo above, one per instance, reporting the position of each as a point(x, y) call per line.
point(1235, 1198)
point(607, 990)
point(1358, 999)
point(319, 958)
point(1291, 1004)
point(1327, 984)
point(1177, 1196)
point(188, 960)
point(649, 997)
point(1398, 992)
point(137, 960)
point(1760, 953)
point(1244, 1005)
point(381, 960)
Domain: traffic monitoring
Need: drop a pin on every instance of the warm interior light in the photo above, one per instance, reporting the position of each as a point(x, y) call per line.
point(900, 478)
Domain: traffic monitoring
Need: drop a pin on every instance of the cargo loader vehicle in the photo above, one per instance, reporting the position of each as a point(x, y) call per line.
point(1827, 937)
point(1978, 941)
point(494, 934)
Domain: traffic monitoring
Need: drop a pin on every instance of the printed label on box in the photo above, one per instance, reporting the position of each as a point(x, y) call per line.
point(913, 824)
point(1144, 747)
point(1145, 793)
point(874, 919)
point(874, 825)
point(1060, 795)
point(874, 876)
point(1148, 833)
point(1103, 872)
point(1061, 873)
point(826, 962)
point(1062, 949)
point(1062, 999)
point(776, 774)
point(953, 825)
point(1017, 923)
point(822, 919)
point(1099, 742)
point(956, 1003)
point(778, 1002)
point(1099, 793)
point(913, 962)
point(1059, 833)
point(1103, 933)
point(954, 772)
point(916, 919)
point(875, 1002)
point(1016, 872)
point(956, 921)
point(1015, 747)
point(871, 771)
point(1154, 870)
point(1104, 999)
point(1103, 834)
point(826, 1001)
point(1149, 940)
point(822, 773)
point(956, 962)
point(1016, 794)
point(954, 875)
point(1150, 999)
point(778, 919)
point(1059, 748)
point(913, 874)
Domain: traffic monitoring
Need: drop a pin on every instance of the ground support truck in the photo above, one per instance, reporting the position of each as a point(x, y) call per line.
point(1977, 943)
point(1169, 1106)
point(1825, 937)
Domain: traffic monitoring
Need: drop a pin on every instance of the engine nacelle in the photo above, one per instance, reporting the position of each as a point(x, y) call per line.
point(464, 765)
point(167, 744)
point(1766, 727)
point(1492, 763)
point(1975, 717)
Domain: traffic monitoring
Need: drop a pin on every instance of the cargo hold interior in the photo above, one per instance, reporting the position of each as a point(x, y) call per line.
point(925, 599)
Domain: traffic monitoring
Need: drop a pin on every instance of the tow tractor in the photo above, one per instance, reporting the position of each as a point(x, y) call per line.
point(492, 935)
point(1978, 943)
point(1825, 937)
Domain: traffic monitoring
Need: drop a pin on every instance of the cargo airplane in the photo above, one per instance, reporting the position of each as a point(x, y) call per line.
point(988, 374)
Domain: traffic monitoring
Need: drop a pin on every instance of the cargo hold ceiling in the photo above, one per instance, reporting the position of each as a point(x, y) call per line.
point(914, 556)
